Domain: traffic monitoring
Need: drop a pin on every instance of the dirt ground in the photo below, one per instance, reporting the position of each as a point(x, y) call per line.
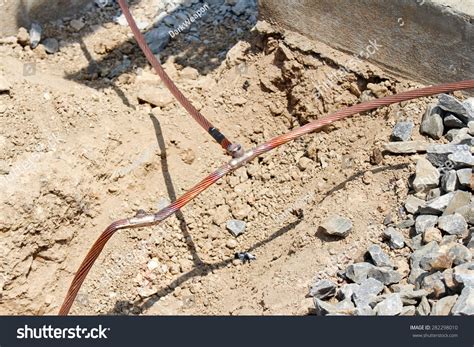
point(78, 150)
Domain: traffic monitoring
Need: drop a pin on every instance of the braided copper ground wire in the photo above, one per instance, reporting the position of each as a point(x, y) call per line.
point(220, 138)
point(153, 219)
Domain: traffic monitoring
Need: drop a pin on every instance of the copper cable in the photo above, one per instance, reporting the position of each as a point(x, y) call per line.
point(153, 219)
point(233, 149)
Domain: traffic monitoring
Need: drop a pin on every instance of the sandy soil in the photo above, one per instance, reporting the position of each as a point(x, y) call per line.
point(78, 150)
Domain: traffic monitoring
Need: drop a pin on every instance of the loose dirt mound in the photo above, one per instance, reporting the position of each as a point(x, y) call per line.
point(78, 151)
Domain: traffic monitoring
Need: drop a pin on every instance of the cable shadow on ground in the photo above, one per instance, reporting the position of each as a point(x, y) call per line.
point(172, 192)
point(200, 271)
point(327, 238)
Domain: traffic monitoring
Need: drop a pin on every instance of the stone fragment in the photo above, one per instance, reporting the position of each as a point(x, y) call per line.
point(426, 176)
point(449, 181)
point(379, 257)
point(464, 178)
point(337, 226)
point(453, 224)
point(451, 104)
point(432, 234)
point(4, 85)
point(408, 147)
point(412, 204)
point(158, 39)
point(465, 304)
point(402, 131)
point(23, 38)
point(367, 291)
point(391, 306)
point(452, 122)
point(444, 306)
point(35, 35)
point(236, 227)
point(358, 272)
point(438, 205)
point(77, 24)
point(447, 155)
point(432, 122)
point(154, 96)
point(51, 45)
point(384, 275)
point(423, 308)
point(323, 290)
point(347, 290)
point(459, 199)
point(464, 274)
point(323, 308)
point(395, 238)
point(424, 222)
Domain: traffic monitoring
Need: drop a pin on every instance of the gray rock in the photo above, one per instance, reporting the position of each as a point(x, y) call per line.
point(451, 104)
point(323, 308)
point(391, 306)
point(418, 255)
point(467, 212)
point(412, 297)
point(323, 289)
point(408, 311)
point(462, 159)
point(452, 134)
point(465, 303)
point(470, 126)
point(464, 274)
point(364, 311)
point(439, 155)
point(444, 306)
point(402, 131)
point(384, 275)
point(436, 261)
point(408, 147)
point(158, 39)
point(464, 177)
point(469, 106)
point(460, 254)
point(416, 242)
point(51, 45)
point(438, 205)
point(35, 35)
point(379, 257)
point(432, 122)
point(366, 292)
point(432, 194)
point(449, 181)
point(405, 224)
point(347, 290)
point(337, 226)
point(395, 238)
point(452, 122)
point(412, 204)
point(416, 275)
point(459, 199)
point(358, 272)
point(236, 227)
point(426, 176)
point(424, 222)
point(453, 224)
point(423, 308)
point(433, 283)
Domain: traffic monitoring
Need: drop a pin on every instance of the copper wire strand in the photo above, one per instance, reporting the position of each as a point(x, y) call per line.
point(153, 219)
point(198, 117)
